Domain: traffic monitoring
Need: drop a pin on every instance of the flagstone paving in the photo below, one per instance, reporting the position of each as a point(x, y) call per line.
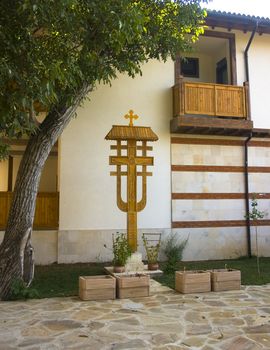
point(236, 320)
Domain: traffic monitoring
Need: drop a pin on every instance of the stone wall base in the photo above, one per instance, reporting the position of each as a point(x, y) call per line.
point(75, 246)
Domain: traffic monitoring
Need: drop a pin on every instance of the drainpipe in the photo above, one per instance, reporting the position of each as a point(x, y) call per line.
point(247, 48)
point(247, 196)
point(246, 148)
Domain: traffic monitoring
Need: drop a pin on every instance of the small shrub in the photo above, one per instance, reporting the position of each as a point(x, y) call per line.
point(152, 250)
point(20, 291)
point(255, 214)
point(173, 250)
point(121, 249)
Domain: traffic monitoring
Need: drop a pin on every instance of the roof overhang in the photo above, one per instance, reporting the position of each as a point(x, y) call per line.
point(237, 21)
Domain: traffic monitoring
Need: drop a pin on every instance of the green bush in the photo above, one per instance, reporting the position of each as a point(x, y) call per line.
point(173, 250)
point(121, 249)
point(20, 291)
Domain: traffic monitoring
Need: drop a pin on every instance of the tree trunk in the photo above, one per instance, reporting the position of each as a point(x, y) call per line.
point(16, 252)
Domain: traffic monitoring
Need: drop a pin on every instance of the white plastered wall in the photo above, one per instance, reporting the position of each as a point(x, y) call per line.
point(206, 67)
point(218, 242)
point(48, 181)
point(87, 191)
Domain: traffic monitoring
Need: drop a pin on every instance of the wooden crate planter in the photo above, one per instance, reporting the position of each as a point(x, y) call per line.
point(225, 279)
point(133, 286)
point(97, 287)
point(192, 281)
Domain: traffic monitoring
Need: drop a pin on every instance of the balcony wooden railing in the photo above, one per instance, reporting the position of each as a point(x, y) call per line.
point(216, 100)
point(47, 210)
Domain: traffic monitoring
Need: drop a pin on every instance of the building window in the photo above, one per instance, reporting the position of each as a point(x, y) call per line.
point(190, 67)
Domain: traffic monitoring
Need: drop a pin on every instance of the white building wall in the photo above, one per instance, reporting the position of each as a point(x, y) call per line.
point(48, 180)
point(87, 191)
point(197, 215)
point(88, 211)
point(207, 68)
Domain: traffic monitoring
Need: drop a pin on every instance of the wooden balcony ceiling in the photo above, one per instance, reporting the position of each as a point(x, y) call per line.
point(261, 133)
point(203, 125)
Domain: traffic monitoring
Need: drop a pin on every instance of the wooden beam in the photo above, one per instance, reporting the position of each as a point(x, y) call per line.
point(220, 168)
point(139, 148)
point(205, 141)
point(21, 153)
point(209, 196)
point(216, 34)
point(201, 122)
point(219, 142)
point(218, 223)
point(237, 22)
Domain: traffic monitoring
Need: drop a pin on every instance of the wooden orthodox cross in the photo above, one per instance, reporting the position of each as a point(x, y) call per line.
point(131, 135)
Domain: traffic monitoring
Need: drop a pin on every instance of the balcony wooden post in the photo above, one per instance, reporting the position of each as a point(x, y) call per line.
point(178, 98)
point(247, 100)
point(10, 173)
point(182, 95)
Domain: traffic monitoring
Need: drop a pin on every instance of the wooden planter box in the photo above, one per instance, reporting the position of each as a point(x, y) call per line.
point(192, 281)
point(97, 287)
point(225, 279)
point(133, 286)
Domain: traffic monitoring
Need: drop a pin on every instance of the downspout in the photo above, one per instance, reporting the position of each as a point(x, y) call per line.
point(246, 150)
point(247, 196)
point(247, 48)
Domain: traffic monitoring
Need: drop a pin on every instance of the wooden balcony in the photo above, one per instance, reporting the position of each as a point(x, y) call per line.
point(211, 109)
point(47, 210)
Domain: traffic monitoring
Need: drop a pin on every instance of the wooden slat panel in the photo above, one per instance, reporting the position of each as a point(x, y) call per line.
point(218, 223)
point(5, 200)
point(199, 99)
point(47, 210)
point(212, 99)
point(230, 101)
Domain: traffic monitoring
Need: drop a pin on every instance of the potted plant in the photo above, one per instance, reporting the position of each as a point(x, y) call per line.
point(152, 251)
point(121, 252)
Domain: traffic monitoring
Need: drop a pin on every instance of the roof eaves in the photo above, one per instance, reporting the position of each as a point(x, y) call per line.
point(237, 21)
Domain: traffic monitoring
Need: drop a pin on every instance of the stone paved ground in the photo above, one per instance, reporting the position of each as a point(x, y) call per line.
point(237, 320)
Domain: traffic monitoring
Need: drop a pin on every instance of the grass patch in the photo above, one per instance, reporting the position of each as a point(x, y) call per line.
point(62, 280)
point(248, 268)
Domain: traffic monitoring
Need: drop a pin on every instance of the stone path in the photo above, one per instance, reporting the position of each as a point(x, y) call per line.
point(237, 320)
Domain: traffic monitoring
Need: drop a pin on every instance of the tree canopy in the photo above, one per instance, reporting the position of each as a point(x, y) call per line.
point(50, 49)
point(53, 52)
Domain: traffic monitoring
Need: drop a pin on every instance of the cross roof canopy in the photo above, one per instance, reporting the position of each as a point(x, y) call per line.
point(125, 132)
